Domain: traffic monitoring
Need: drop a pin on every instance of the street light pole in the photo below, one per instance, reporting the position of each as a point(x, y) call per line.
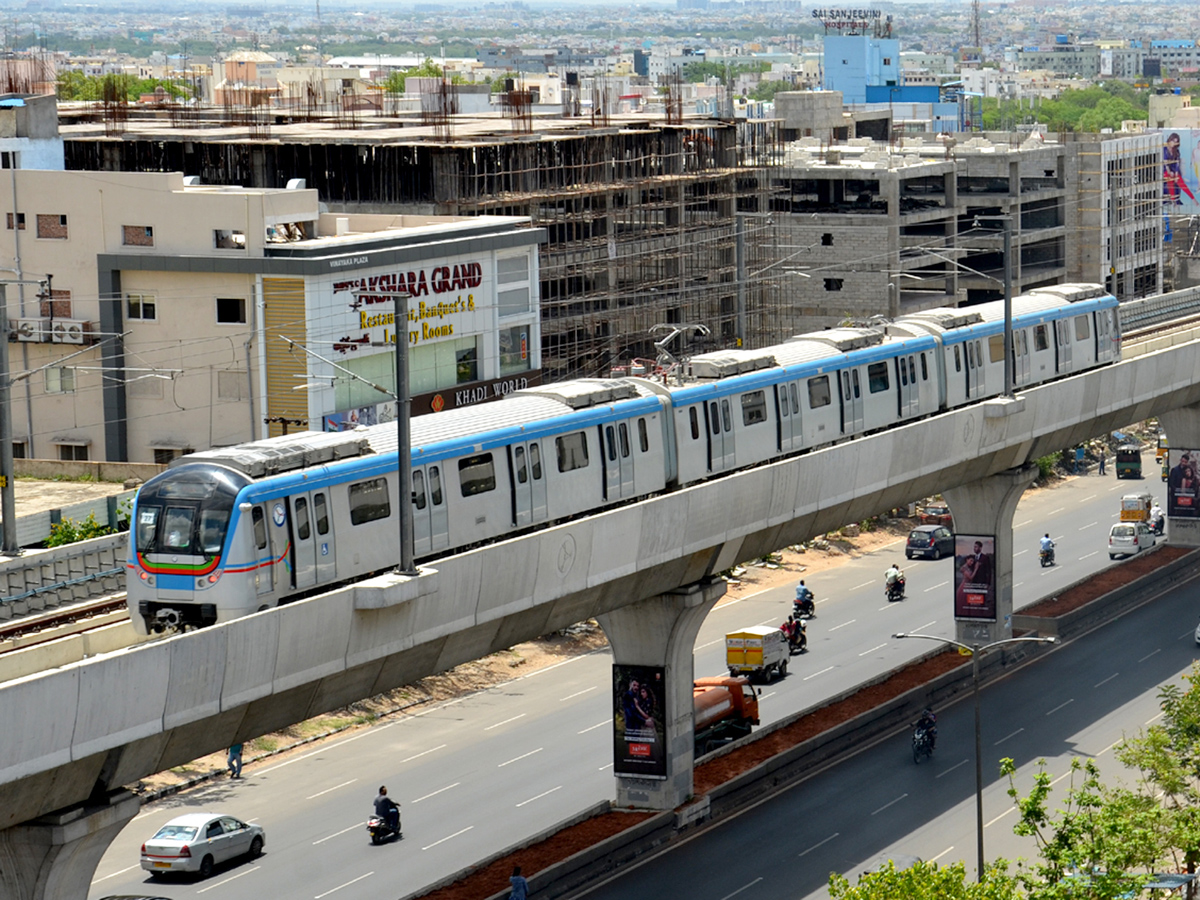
point(977, 651)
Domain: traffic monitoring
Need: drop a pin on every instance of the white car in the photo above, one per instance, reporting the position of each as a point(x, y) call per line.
point(199, 841)
point(1127, 538)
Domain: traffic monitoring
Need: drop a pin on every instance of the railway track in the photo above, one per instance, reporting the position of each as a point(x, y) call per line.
point(48, 625)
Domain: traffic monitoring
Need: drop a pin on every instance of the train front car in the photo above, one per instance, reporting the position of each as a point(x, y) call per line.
point(179, 546)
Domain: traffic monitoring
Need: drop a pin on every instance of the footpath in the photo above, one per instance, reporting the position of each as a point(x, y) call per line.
point(600, 840)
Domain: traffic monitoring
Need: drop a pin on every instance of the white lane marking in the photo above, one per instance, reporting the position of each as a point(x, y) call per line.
point(999, 817)
point(539, 796)
point(710, 643)
point(1060, 706)
point(339, 833)
point(767, 622)
point(815, 674)
point(1088, 525)
point(1065, 774)
point(328, 790)
point(438, 791)
point(953, 767)
point(577, 694)
point(1007, 736)
point(889, 606)
point(936, 586)
point(1155, 717)
point(448, 837)
point(1109, 747)
point(1148, 655)
point(1019, 552)
point(893, 803)
point(1022, 524)
point(1086, 499)
point(1018, 584)
point(765, 696)
point(115, 874)
point(1086, 555)
point(943, 853)
point(1108, 679)
point(594, 727)
point(340, 886)
point(820, 844)
point(424, 753)
point(926, 625)
point(1187, 633)
point(863, 585)
point(742, 888)
point(229, 879)
point(505, 722)
point(602, 768)
point(1055, 511)
point(872, 650)
point(296, 759)
point(843, 625)
point(522, 756)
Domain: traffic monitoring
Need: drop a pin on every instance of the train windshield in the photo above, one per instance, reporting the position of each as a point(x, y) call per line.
point(186, 510)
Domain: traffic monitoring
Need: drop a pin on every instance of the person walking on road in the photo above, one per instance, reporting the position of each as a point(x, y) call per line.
point(235, 761)
point(520, 887)
point(1102, 462)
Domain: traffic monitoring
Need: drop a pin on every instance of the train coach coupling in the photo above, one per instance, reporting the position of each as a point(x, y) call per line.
point(159, 618)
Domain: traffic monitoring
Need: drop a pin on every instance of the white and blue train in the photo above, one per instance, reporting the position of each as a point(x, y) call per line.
point(228, 532)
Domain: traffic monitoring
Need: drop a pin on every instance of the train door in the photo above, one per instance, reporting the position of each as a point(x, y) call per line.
point(976, 383)
point(852, 402)
point(264, 573)
point(1020, 356)
point(1062, 335)
point(528, 483)
point(279, 533)
point(1107, 342)
point(909, 401)
point(431, 522)
point(791, 435)
point(718, 419)
point(618, 461)
point(304, 544)
point(326, 555)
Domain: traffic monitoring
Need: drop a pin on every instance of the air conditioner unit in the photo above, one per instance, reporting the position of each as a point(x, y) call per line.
point(29, 329)
point(70, 331)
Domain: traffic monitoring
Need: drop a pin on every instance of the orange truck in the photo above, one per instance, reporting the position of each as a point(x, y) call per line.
point(724, 710)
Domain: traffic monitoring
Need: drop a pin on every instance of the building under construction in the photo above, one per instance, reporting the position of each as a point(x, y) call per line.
point(642, 214)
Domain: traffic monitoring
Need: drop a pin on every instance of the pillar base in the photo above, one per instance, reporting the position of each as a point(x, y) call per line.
point(54, 857)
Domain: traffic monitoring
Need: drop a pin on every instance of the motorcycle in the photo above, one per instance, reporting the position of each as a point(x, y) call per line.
point(895, 590)
point(922, 744)
point(797, 639)
point(1046, 557)
point(804, 607)
point(381, 830)
point(1158, 524)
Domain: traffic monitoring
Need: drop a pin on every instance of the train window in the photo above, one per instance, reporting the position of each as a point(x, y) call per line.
point(970, 355)
point(147, 520)
point(912, 370)
point(535, 461)
point(957, 359)
point(213, 523)
point(610, 440)
point(643, 436)
point(796, 397)
point(260, 528)
point(418, 489)
point(303, 528)
point(519, 459)
point(924, 368)
point(321, 513)
point(996, 348)
point(726, 418)
point(877, 377)
point(623, 439)
point(818, 392)
point(783, 403)
point(177, 527)
point(754, 408)
point(695, 421)
point(1024, 343)
point(857, 386)
point(714, 418)
point(1040, 340)
point(476, 474)
point(1082, 331)
point(369, 501)
point(572, 451)
point(435, 484)
point(979, 353)
point(903, 372)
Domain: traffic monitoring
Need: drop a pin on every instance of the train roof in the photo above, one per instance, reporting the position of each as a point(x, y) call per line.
point(1034, 307)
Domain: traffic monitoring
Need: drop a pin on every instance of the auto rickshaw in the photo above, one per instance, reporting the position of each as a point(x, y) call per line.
point(1129, 461)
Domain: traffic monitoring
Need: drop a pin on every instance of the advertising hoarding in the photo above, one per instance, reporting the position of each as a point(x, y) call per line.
point(975, 577)
point(639, 721)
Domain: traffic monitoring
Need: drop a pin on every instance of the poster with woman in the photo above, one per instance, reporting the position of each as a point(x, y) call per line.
point(975, 576)
point(639, 729)
point(1183, 484)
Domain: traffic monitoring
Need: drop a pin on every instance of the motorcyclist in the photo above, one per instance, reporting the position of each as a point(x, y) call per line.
point(1047, 544)
point(927, 722)
point(893, 580)
point(804, 602)
point(387, 809)
point(1157, 518)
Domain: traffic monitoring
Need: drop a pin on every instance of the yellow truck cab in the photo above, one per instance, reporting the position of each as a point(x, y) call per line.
point(1136, 507)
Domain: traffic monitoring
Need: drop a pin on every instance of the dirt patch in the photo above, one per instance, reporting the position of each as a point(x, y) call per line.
point(1102, 582)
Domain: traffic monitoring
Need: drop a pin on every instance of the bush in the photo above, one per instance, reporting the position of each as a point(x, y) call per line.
point(68, 531)
point(1046, 465)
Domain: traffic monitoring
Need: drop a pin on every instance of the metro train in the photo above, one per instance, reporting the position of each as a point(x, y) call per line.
point(227, 532)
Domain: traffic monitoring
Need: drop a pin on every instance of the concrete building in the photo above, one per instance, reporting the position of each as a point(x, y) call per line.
point(855, 62)
point(29, 137)
point(159, 331)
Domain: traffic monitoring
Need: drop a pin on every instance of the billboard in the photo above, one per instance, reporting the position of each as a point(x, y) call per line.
point(975, 576)
point(1183, 484)
point(639, 721)
point(1181, 171)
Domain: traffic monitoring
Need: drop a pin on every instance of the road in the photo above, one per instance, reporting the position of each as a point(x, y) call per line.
point(482, 772)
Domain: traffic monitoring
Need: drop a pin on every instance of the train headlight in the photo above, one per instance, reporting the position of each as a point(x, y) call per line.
point(146, 577)
point(202, 583)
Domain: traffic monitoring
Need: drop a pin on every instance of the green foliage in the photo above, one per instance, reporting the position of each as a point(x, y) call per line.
point(766, 90)
point(74, 85)
point(394, 83)
point(926, 881)
point(701, 71)
point(1046, 465)
point(68, 531)
point(1089, 109)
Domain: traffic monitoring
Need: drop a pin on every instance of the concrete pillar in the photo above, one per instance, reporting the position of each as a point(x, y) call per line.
point(986, 507)
point(661, 631)
point(1183, 431)
point(54, 857)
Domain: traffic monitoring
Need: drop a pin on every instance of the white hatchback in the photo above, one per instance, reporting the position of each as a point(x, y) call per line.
point(1127, 538)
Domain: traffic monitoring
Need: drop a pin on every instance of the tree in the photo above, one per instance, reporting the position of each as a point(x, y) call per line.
point(927, 881)
point(394, 83)
point(701, 71)
point(766, 90)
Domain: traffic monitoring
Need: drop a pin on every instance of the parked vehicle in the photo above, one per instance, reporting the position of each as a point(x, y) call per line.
point(1129, 461)
point(759, 652)
point(1128, 538)
point(197, 842)
point(724, 709)
point(932, 541)
point(1136, 507)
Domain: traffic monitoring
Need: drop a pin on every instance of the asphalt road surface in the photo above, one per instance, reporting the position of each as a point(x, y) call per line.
point(478, 774)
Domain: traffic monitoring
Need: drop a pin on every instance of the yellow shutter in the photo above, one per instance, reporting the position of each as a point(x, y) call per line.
point(284, 315)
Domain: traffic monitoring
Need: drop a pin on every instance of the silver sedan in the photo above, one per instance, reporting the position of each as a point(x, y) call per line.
point(197, 842)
